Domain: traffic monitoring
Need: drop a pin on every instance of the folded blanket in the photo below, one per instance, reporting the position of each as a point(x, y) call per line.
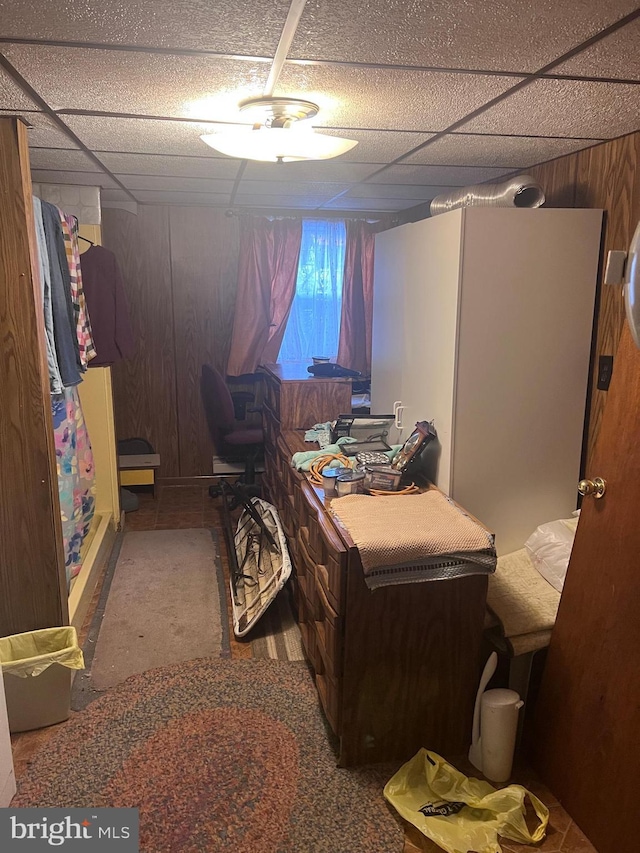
point(524, 603)
point(302, 460)
point(411, 538)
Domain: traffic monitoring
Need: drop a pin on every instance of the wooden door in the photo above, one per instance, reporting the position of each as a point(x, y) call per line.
point(587, 724)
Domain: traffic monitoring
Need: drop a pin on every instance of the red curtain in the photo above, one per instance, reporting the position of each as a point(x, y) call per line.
point(267, 272)
point(354, 348)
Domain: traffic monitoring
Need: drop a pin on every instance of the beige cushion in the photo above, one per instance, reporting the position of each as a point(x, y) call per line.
point(523, 603)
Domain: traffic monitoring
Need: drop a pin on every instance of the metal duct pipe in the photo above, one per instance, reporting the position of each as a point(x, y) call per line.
point(521, 191)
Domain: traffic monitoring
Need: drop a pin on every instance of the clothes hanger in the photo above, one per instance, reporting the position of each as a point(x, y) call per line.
point(80, 237)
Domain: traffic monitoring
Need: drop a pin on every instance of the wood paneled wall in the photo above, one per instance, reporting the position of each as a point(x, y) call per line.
point(179, 266)
point(606, 176)
point(180, 270)
point(33, 585)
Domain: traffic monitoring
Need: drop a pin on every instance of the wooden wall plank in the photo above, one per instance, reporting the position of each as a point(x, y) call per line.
point(604, 176)
point(607, 176)
point(145, 386)
point(33, 590)
point(558, 179)
point(204, 269)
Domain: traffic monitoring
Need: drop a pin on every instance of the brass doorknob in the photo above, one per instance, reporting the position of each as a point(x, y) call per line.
point(596, 487)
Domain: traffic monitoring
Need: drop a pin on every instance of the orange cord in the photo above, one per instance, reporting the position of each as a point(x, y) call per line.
point(321, 462)
point(408, 490)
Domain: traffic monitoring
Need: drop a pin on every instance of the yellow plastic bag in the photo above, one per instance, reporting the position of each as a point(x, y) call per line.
point(458, 813)
point(27, 655)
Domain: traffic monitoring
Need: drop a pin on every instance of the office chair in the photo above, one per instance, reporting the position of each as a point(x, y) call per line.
point(233, 441)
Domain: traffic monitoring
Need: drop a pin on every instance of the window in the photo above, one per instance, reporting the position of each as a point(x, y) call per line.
point(314, 322)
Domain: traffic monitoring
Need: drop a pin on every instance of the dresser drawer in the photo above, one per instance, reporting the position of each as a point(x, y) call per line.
point(325, 547)
point(329, 631)
point(329, 693)
point(271, 428)
point(272, 396)
point(288, 474)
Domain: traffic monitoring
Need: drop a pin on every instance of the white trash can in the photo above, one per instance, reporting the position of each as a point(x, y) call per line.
point(36, 669)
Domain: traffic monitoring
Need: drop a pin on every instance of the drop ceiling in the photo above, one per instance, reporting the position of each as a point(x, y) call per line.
point(438, 94)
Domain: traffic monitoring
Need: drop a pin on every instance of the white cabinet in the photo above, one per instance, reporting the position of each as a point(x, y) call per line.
point(482, 323)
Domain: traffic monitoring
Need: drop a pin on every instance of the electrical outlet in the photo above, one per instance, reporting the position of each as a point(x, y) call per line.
point(605, 369)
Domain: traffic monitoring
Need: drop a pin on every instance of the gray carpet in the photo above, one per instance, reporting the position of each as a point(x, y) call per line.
point(164, 605)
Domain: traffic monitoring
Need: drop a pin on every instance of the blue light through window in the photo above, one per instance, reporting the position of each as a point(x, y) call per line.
point(314, 322)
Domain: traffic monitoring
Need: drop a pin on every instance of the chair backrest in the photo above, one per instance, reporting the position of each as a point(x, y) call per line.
point(217, 402)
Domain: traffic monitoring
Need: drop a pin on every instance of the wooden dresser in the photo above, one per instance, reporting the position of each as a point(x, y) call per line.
point(396, 668)
point(294, 399)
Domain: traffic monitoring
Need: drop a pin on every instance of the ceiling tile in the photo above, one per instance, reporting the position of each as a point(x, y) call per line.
point(332, 171)
point(87, 179)
point(378, 146)
point(43, 131)
point(67, 160)
point(136, 82)
point(11, 95)
point(277, 200)
point(506, 35)
point(397, 191)
point(384, 98)
point(156, 182)
point(181, 167)
point(253, 28)
point(143, 136)
point(107, 195)
point(166, 197)
point(564, 108)
point(437, 175)
point(614, 56)
point(378, 204)
point(318, 189)
point(483, 150)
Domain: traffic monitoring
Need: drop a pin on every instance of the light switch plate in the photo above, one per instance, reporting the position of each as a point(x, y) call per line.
point(614, 270)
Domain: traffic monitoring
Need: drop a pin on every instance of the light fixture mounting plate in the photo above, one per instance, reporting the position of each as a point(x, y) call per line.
point(279, 112)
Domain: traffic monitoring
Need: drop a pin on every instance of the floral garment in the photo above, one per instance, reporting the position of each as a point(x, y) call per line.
point(76, 475)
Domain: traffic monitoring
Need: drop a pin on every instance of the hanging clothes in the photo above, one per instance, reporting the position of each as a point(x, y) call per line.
point(55, 380)
point(83, 326)
point(69, 347)
point(64, 324)
point(107, 305)
point(76, 475)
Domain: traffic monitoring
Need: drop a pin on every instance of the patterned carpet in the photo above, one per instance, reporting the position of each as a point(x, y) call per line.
point(219, 756)
point(277, 636)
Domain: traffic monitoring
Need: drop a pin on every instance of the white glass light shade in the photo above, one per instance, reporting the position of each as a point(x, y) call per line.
point(278, 144)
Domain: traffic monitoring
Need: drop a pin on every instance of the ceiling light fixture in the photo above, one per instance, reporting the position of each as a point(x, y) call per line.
point(279, 133)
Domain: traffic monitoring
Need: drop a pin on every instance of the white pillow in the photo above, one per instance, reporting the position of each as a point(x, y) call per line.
point(549, 548)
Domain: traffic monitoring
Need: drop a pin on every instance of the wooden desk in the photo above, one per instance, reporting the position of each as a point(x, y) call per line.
point(396, 668)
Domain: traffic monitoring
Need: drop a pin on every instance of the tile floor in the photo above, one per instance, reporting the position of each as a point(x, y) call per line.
point(176, 507)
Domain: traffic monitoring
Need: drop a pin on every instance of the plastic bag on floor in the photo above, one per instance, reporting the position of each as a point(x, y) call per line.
point(461, 814)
